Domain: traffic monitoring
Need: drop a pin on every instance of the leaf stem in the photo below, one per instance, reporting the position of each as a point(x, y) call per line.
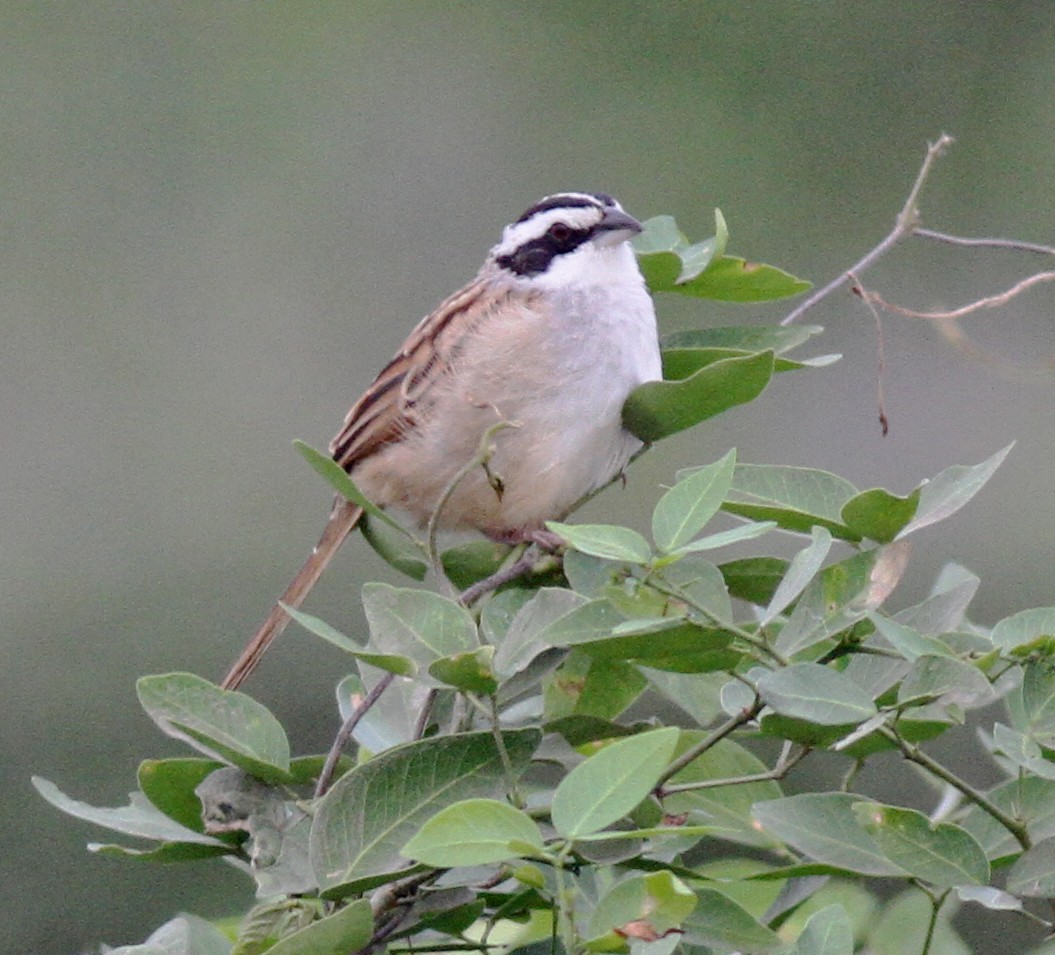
point(565, 903)
point(507, 764)
point(935, 907)
point(752, 639)
point(481, 459)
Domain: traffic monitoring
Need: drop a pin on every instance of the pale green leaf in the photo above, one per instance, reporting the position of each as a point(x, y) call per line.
point(475, 832)
point(946, 493)
point(687, 507)
point(611, 782)
point(217, 722)
point(608, 541)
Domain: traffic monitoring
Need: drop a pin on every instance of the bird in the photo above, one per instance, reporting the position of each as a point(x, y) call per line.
point(550, 337)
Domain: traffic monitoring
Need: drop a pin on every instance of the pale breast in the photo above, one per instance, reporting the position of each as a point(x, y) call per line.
point(557, 373)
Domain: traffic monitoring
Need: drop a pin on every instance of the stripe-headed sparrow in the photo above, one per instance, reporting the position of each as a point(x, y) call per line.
point(551, 337)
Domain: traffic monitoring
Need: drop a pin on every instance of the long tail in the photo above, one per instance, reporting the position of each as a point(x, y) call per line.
point(341, 523)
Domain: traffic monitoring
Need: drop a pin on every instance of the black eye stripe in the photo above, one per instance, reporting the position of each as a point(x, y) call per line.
point(535, 256)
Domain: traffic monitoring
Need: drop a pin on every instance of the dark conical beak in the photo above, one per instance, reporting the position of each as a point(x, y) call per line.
point(615, 220)
point(616, 227)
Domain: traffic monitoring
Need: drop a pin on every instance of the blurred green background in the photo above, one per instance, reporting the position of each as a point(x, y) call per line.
point(220, 219)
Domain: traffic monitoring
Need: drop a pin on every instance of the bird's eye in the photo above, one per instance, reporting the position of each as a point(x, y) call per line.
point(560, 232)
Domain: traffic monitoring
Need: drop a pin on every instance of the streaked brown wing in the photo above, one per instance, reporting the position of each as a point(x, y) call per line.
point(385, 412)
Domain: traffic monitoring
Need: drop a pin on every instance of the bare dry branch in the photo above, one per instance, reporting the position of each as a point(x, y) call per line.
point(990, 301)
point(1013, 245)
point(907, 222)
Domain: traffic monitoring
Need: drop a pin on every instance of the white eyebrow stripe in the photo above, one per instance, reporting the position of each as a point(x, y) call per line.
point(520, 233)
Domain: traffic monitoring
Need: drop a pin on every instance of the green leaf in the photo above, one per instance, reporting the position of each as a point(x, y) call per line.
point(669, 643)
point(349, 929)
point(943, 854)
point(271, 920)
point(417, 624)
point(903, 928)
point(363, 822)
point(579, 729)
point(802, 569)
point(754, 579)
point(1037, 697)
point(611, 782)
point(697, 694)
point(470, 672)
point(1023, 751)
point(732, 279)
point(217, 722)
point(726, 810)
point(823, 827)
point(655, 903)
point(697, 257)
point(721, 923)
point(828, 932)
point(698, 582)
point(809, 691)
point(608, 541)
point(746, 338)
point(140, 818)
point(946, 493)
point(910, 643)
point(390, 662)
point(796, 498)
point(1027, 798)
point(392, 719)
point(1025, 627)
point(395, 547)
point(165, 853)
point(833, 601)
point(658, 409)
point(878, 514)
point(467, 563)
point(944, 609)
point(590, 687)
point(183, 935)
point(475, 832)
point(995, 899)
point(947, 680)
point(339, 480)
point(170, 783)
point(687, 507)
point(1033, 875)
point(526, 636)
point(735, 535)
point(657, 248)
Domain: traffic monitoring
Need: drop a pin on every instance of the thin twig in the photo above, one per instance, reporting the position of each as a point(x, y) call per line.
point(906, 224)
point(389, 897)
point(422, 722)
point(1013, 245)
point(345, 733)
point(990, 301)
point(784, 765)
point(884, 421)
point(519, 568)
point(915, 755)
point(716, 736)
